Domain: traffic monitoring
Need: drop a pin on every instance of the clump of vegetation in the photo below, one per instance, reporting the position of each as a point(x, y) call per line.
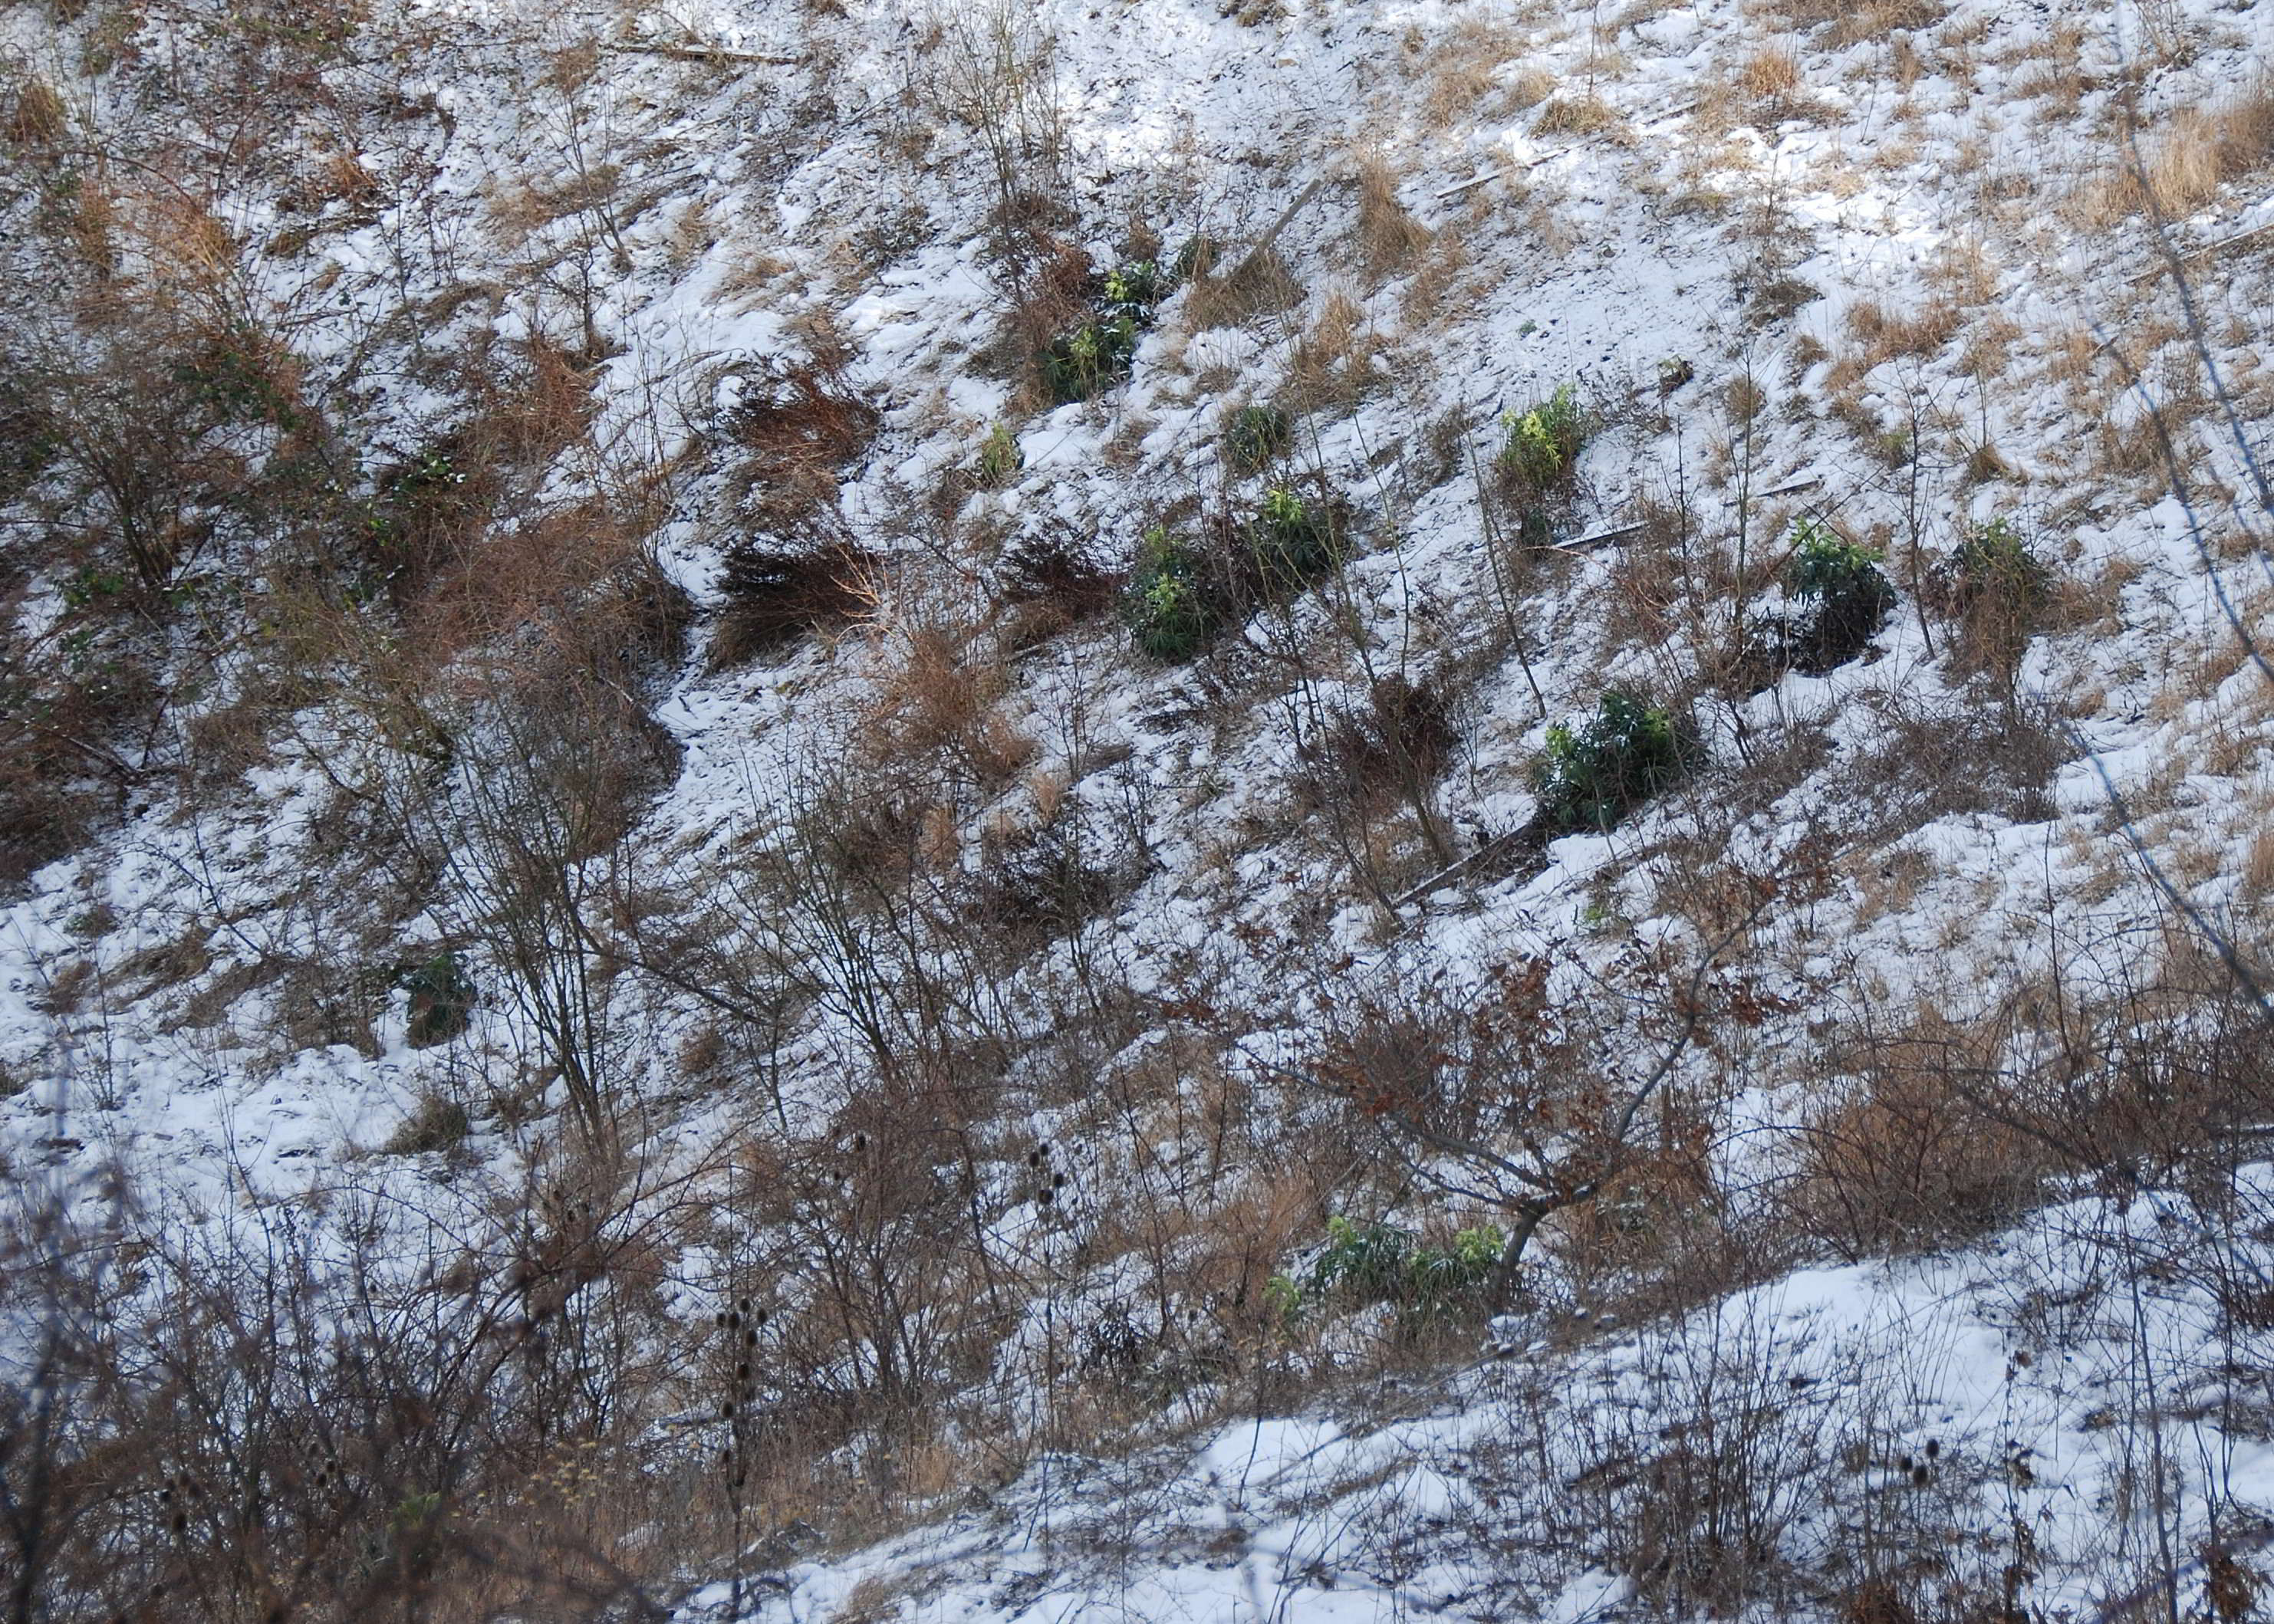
point(999, 457)
point(1592, 775)
point(1999, 588)
point(1181, 592)
point(1095, 354)
point(1256, 436)
point(1993, 564)
point(776, 595)
point(1541, 444)
point(1850, 593)
point(1290, 541)
point(437, 1124)
point(1172, 603)
point(441, 1001)
point(1367, 1263)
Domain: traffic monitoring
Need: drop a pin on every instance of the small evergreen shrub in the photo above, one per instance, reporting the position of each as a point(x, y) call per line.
point(442, 998)
point(1369, 1263)
point(1097, 354)
point(1171, 603)
point(999, 457)
point(1590, 777)
point(1851, 596)
point(1257, 436)
point(1290, 541)
point(1542, 444)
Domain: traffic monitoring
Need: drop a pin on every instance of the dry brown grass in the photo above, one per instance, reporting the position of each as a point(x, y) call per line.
point(1855, 20)
point(941, 694)
point(802, 423)
point(33, 117)
point(1257, 285)
point(1388, 236)
point(1903, 1157)
point(1770, 74)
point(1462, 69)
point(1337, 362)
point(1579, 113)
point(1882, 336)
point(2184, 163)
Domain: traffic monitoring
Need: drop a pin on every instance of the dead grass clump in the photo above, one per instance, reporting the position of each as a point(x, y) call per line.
point(1462, 67)
point(1579, 113)
point(942, 697)
point(1857, 20)
point(2186, 161)
point(803, 422)
point(1770, 80)
point(35, 120)
point(1882, 337)
point(1929, 764)
point(776, 595)
point(1388, 237)
point(1337, 362)
point(1398, 738)
point(1047, 582)
point(1042, 885)
point(1259, 284)
point(1903, 1157)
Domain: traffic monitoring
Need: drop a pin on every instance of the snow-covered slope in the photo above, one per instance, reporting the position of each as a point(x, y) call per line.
point(1007, 1009)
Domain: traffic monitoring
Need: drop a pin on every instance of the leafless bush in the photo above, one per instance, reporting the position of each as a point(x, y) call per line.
point(803, 422)
point(776, 595)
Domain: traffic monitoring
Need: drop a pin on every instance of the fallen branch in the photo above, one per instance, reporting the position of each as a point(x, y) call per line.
point(704, 53)
point(1595, 536)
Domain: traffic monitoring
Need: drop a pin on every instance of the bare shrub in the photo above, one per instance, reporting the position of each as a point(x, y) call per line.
point(803, 422)
point(776, 595)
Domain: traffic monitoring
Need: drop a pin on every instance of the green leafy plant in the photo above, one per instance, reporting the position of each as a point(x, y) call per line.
point(1542, 443)
point(1089, 359)
point(441, 999)
point(1363, 1263)
point(1097, 354)
point(1133, 290)
point(1290, 540)
point(1256, 436)
point(1851, 595)
point(999, 457)
point(1590, 777)
point(1170, 604)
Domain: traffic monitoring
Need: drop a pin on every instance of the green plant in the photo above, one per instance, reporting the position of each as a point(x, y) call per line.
point(1542, 443)
point(1290, 540)
point(1374, 1262)
point(1592, 775)
point(999, 457)
point(1851, 593)
point(1090, 358)
point(1097, 354)
point(1133, 290)
point(1168, 607)
point(442, 997)
point(1257, 435)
